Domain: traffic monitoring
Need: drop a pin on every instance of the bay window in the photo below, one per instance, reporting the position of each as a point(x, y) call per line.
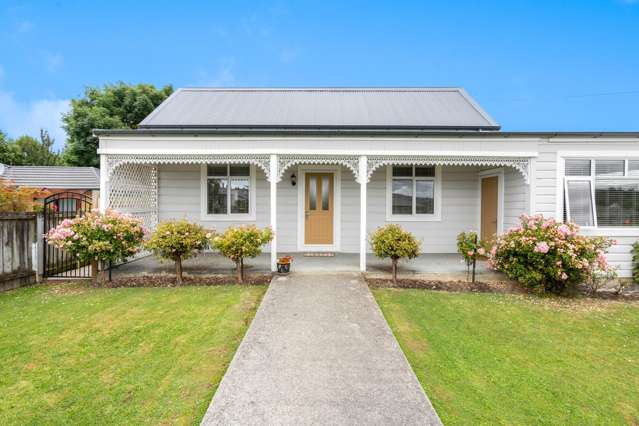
point(602, 192)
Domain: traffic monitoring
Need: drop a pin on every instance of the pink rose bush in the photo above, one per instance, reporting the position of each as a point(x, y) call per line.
point(95, 237)
point(547, 255)
point(468, 246)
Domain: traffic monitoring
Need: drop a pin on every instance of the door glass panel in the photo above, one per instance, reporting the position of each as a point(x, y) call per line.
point(424, 197)
point(240, 196)
point(216, 196)
point(402, 196)
point(312, 193)
point(325, 189)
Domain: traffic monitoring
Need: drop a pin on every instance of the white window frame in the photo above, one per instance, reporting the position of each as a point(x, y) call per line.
point(233, 217)
point(414, 217)
point(562, 188)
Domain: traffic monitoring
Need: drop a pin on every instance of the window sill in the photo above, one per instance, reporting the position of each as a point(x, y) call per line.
point(227, 218)
point(616, 231)
point(414, 218)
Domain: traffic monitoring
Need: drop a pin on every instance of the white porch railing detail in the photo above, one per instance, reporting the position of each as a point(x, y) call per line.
point(521, 164)
point(287, 161)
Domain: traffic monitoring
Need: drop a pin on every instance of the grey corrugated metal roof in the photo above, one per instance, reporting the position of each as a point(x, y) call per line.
point(54, 177)
point(419, 108)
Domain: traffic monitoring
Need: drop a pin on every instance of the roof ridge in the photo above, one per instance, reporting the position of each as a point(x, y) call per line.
point(321, 89)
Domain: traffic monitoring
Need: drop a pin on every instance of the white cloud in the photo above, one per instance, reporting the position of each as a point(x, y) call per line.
point(27, 118)
point(54, 62)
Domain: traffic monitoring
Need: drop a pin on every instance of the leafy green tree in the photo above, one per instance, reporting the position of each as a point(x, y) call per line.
point(115, 106)
point(29, 151)
point(32, 152)
point(7, 150)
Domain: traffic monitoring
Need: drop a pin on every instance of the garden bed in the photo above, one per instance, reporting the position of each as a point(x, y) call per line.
point(443, 285)
point(504, 287)
point(167, 280)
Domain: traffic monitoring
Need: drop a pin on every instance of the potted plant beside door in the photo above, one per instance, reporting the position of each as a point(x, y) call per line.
point(284, 264)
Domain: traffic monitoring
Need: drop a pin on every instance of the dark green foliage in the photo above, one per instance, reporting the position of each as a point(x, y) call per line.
point(115, 106)
point(29, 151)
point(635, 262)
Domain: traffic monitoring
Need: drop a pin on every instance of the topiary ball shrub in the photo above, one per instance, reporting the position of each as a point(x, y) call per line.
point(240, 242)
point(391, 241)
point(178, 240)
point(549, 256)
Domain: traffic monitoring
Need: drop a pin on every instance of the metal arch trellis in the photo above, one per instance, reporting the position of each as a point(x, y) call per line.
point(521, 164)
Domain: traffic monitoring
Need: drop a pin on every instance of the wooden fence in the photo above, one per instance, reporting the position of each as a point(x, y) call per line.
point(18, 232)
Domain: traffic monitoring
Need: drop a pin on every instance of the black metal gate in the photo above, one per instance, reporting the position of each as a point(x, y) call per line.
point(58, 207)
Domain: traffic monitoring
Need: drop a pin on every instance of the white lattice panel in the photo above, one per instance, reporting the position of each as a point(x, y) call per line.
point(133, 189)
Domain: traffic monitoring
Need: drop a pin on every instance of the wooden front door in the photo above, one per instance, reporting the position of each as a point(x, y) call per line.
point(489, 203)
point(318, 208)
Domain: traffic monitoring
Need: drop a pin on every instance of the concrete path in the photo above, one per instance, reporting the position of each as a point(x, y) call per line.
point(319, 352)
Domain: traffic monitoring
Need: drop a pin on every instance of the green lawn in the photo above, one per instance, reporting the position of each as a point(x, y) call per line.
point(502, 359)
point(73, 355)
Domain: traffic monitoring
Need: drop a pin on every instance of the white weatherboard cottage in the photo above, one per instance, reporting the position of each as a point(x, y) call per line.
point(324, 167)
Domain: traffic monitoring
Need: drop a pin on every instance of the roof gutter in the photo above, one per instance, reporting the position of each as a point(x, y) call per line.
point(327, 131)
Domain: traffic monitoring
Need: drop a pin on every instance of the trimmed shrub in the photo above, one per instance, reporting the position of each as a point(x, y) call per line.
point(546, 255)
point(469, 247)
point(635, 262)
point(240, 242)
point(95, 237)
point(391, 241)
point(178, 240)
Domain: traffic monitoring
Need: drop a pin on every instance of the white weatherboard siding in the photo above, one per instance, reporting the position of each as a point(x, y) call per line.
point(179, 196)
point(460, 207)
point(515, 197)
point(549, 190)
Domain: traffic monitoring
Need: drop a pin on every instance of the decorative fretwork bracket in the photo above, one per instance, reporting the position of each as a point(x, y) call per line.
point(521, 164)
point(286, 161)
point(115, 161)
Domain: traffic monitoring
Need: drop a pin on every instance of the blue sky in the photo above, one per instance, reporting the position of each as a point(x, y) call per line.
point(538, 65)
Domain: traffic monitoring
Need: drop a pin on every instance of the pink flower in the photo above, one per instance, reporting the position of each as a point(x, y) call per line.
point(470, 253)
point(563, 276)
point(564, 230)
point(481, 251)
point(541, 247)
